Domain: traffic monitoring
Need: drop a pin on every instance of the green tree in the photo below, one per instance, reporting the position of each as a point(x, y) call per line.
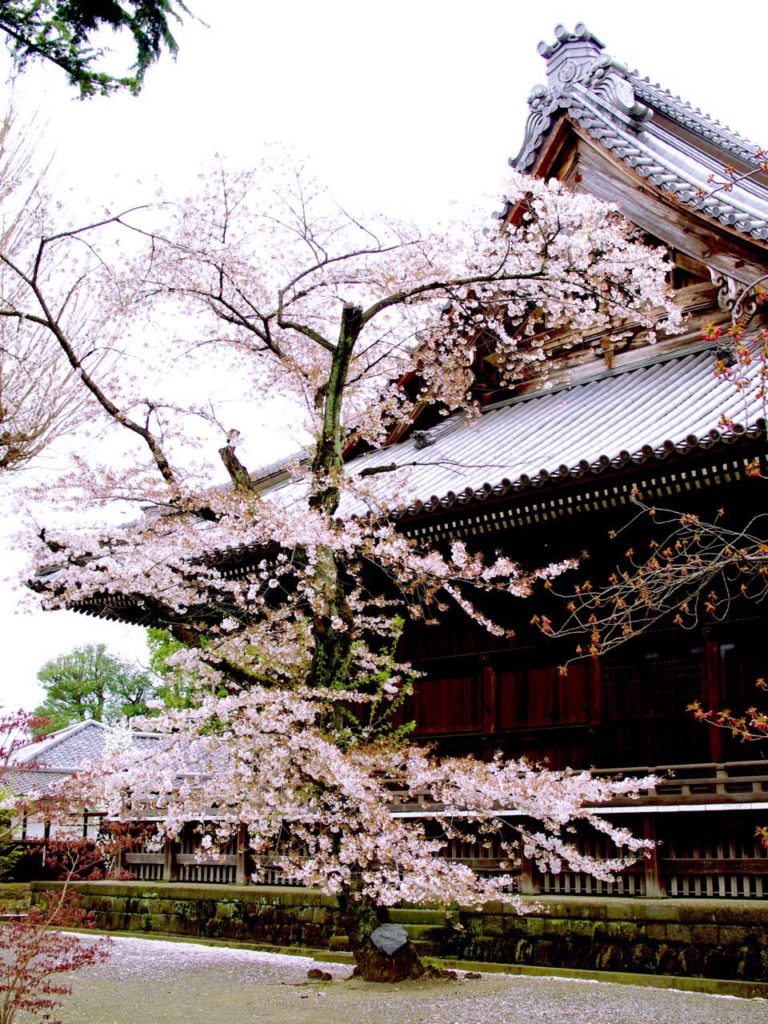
point(64, 32)
point(173, 687)
point(90, 683)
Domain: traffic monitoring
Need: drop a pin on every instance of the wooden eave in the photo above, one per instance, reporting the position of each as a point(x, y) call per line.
point(571, 155)
point(663, 476)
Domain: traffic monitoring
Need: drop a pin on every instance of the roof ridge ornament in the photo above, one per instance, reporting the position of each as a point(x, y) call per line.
point(610, 80)
point(579, 75)
point(569, 55)
point(580, 35)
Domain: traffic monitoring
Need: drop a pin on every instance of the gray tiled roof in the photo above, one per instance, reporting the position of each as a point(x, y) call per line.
point(32, 780)
point(69, 750)
point(641, 414)
point(39, 766)
point(626, 113)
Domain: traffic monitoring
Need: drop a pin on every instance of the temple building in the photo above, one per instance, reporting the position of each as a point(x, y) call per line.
point(552, 472)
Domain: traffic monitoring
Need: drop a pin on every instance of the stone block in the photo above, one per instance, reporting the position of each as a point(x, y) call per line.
point(620, 911)
point(406, 915)
point(731, 935)
point(704, 934)
point(679, 933)
point(497, 907)
point(622, 931)
point(554, 926)
point(531, 925)
point(664, 912)
point(420, 931)
point(697, 913)
point(584, 929)
point(494, 925)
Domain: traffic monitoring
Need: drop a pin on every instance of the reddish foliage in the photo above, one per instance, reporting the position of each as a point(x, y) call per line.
point(81, 859)
point(34, 955)
point(15, 732)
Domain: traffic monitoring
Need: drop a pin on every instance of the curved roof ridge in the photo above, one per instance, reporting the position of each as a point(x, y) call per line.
point(684, 112)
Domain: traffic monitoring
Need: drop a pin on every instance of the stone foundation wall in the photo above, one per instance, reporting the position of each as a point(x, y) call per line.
point(14, 898)
point(690, 938)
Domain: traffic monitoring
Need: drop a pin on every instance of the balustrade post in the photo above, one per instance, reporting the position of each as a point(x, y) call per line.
point(170, 868)
point(655, 884)
point(242, 874)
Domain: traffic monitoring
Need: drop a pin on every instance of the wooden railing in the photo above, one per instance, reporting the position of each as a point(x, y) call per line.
point(728, 783)
point(693, 863)
point(185, 861)
point(732, 782)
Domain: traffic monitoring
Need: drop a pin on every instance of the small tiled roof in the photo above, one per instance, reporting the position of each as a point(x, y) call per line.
point(32, 780)
point(66, 748)
point(61, 754)
point(38, 767)
point(626, 113)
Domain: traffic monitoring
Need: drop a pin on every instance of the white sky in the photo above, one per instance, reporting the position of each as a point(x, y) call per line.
point(407, 106)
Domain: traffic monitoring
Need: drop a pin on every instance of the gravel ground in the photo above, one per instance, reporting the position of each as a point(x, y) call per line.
point(153, 982)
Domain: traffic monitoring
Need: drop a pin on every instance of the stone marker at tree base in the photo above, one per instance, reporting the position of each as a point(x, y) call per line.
point(389, 937)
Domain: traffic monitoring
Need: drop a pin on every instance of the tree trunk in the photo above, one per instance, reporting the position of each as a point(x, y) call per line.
point(334, 635)
point(333, 645)
point(361, 917)
point(328, 462)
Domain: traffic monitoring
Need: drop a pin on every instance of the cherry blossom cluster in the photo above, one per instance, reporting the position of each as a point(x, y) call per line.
point(269, 260)
point(329, 817)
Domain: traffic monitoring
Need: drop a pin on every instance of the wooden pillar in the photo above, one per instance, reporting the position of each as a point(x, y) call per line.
point(170, 873)
point(713, 692)
point(528, 881)
point(596, 705)
point(118, 862)
point(655, 884)
point(242, 874)
point(488, 698)
point(595, 691)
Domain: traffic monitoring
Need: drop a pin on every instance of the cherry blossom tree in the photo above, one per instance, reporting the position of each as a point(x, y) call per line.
point(290, 599)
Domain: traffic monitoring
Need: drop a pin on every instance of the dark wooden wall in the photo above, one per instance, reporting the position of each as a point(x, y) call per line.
point(480, 694)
